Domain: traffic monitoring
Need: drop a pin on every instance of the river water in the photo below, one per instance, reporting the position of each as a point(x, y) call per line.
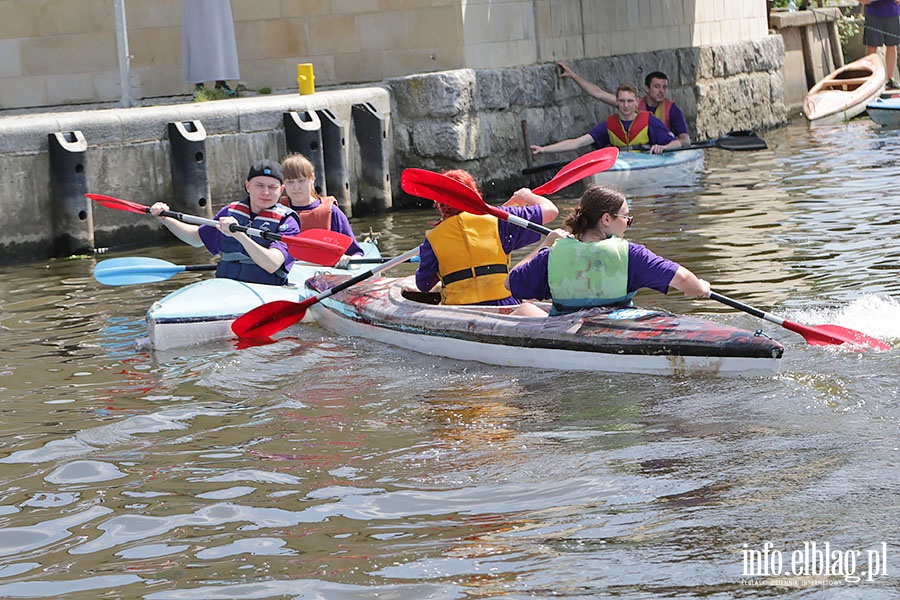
point(326, 467)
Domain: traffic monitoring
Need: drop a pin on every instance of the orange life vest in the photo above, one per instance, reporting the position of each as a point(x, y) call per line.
point(316, 218)
point(638, 133)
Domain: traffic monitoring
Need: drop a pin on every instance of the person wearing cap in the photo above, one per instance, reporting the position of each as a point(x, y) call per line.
point(243, 257)
point(469, 254)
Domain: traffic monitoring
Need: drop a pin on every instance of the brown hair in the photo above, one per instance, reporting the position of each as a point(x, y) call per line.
point(297, 166)
point(626, 87)
point(595, 202)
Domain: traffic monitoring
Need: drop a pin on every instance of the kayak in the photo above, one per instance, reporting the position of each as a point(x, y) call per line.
point(622, 340)
point(204, 311)
point(845, 92)
point(884, 111)
point(642, 171)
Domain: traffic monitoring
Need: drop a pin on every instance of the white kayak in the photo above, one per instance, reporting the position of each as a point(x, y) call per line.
point(645, 172)
point(621, 340)
point(204, 311)
point(884, 111)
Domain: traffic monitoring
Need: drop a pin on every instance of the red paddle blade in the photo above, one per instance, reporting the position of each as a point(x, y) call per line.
point(119, 204)
point(583, 166)
point(443, 189)
point(835, 335)
point(318, 246)
point(270, 318)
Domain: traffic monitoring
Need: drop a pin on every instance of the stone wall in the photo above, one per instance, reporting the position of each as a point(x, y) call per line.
point(471, 118)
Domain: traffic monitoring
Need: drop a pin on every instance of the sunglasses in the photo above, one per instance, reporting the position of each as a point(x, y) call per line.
point(629, 219)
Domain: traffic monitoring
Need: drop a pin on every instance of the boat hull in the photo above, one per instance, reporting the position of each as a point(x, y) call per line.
point(845, 92)
point(203, 311)
point(885, 111)
point(625, 340)
point(642, 171)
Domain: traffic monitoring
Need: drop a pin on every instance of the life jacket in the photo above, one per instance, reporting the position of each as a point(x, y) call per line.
point(588, 274)
point(235, 263)
point(314, 218)
point(638, 133)
point(471, 262)
point(662, 112)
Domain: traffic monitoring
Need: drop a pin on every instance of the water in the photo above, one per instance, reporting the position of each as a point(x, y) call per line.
point(325, 467)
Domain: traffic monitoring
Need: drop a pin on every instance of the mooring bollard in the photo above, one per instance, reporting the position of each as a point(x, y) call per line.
point(303, 134)
point(73, 223)
point(306, 79)
point(190, 177)
point(334, 150)
point(375, 176)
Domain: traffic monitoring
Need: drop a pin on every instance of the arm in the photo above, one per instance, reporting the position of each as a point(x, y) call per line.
point(661, 138)
point(427, 271)
point(525, 197)
point(187, 233)
point(341, 224)
point(563, 146)
point(690, 284)
point(591, 89)
point(679, 125)
point(660, 148)
point(269, 259)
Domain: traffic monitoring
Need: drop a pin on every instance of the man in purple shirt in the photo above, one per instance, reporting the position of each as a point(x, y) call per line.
point(882, 28)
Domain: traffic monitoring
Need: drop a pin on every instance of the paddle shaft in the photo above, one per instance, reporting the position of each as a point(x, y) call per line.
point(191, 219)
point(362, 276)
point(746, 308)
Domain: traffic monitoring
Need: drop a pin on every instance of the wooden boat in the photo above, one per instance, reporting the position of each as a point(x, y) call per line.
point(622, 340)
point(885, 111)
point(845, 92)
point(645, 172)
point(203, 311)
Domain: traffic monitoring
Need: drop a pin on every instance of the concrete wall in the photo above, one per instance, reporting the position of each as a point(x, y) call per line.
point(59, 52)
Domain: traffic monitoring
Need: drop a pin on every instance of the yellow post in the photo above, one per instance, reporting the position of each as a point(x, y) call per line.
point(306, 78)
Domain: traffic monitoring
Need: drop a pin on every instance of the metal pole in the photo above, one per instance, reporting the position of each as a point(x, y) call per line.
point(124, 58)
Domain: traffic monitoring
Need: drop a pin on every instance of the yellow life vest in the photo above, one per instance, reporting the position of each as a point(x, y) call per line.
point(471, 262)
point(662, 112)
point(638, 133)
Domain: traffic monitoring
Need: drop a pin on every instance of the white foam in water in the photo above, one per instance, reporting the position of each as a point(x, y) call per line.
point(874, 315)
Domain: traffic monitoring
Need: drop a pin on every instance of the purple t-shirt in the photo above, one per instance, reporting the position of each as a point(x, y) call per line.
point(212, 237)
point(676, 118)
point(657, 130)
point(339, 223)
point(883, 8)
point(645, 270)
point(512, 237)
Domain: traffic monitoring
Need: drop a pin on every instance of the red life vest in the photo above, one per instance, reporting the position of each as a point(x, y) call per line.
point(638, 133)
point(316, 218)
point(662, 112)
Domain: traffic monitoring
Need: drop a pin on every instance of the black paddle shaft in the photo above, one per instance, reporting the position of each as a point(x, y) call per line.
point(266, 235)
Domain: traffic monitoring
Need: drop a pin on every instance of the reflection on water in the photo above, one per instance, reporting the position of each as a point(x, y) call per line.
point(320, 466)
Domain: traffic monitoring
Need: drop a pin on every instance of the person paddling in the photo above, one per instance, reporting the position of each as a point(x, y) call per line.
point(656, 88)
point(628, 129)
point(243, 257)
point(594, 265)
point(469, 254)
point(315, 212)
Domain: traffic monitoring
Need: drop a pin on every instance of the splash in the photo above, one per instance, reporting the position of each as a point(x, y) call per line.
point(874, 315)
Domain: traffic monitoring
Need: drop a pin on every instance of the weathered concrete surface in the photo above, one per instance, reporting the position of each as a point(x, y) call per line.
point(453, 119)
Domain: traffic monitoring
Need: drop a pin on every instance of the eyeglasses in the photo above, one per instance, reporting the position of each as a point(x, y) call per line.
point(629, 219)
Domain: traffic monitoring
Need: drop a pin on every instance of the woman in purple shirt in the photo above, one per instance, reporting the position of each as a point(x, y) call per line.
point(602, 215)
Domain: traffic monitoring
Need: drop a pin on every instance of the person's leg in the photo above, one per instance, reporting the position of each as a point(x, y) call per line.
point(890, 61)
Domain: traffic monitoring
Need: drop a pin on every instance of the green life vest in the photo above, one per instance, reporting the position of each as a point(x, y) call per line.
point(588, 274)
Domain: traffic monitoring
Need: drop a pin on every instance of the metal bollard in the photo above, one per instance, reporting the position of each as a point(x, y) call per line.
point(334, 149)
point(375, 176)
point(190, 177)
point(73, 222)
point(303, 134)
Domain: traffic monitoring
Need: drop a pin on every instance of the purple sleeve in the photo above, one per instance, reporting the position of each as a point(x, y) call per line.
point(647, 270)
point(289, 226)
point(659, 133)
point(600, 134)
point(427, 271)
point(513, 237)
point(212, 237)
point(883, 8)
point(528, 280)
point(676, 119)
point(341, 224)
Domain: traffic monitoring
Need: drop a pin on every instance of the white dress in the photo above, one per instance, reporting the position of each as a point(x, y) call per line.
point(209, 51)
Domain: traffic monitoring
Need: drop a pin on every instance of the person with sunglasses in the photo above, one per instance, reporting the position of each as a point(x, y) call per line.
point(594, 265)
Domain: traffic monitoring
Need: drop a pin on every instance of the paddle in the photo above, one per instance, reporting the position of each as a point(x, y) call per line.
point(272, 317)
point(819, 335)
point(137, 269)
point(317, 246)
point(736, 140)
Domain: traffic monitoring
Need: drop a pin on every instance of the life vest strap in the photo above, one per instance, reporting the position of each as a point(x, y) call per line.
point(476, 272)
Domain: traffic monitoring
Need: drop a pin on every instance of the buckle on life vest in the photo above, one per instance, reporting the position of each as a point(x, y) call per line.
point(476, 272)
